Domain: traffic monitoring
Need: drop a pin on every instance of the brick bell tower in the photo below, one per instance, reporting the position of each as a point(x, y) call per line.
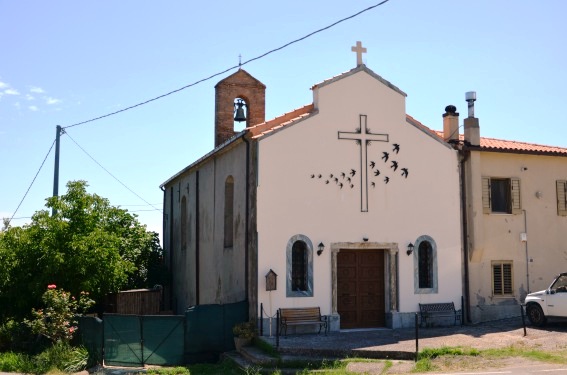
point(240, 85)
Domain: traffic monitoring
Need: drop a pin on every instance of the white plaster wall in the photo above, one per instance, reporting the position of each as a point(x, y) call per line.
point(545, 249)
point(290, 202)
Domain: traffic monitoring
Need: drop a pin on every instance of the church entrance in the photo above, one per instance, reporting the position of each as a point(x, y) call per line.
point(361, 301)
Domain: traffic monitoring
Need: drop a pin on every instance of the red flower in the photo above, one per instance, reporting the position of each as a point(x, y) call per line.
point(51, 286)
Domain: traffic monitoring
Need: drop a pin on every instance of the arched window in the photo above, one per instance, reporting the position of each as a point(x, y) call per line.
point(299, 267)
point(425, 265)
point(229, 212)
point(184, 229)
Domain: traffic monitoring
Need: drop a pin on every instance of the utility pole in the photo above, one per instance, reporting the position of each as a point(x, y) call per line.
point(56, 169)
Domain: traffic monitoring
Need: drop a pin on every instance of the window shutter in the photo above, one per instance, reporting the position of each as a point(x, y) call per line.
point(561, 197)
point(515, 194)
point(507, 278)
point(486, 200)
point(497, 279)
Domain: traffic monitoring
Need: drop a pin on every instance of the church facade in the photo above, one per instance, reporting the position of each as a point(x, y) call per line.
point(359, 209)
point(331, 197)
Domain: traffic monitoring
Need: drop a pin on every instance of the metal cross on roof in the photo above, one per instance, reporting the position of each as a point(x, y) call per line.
point(359, 51)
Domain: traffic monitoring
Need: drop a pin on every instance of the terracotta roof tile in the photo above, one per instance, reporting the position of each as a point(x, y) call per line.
point(280, 121)
point(494, 144)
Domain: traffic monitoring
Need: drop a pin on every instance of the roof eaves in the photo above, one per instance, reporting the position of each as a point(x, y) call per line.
point(354, 71)
point(202, 159)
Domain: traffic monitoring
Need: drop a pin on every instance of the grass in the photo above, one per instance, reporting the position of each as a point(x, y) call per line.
point(468, 358)
point(55, 359)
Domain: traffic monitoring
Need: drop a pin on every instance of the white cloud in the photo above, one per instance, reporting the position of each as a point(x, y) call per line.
point(17, 105)
point(29, 97)
point(51, 101)
point(37, 90)
point(11, 92)
point(33, 108)
point(3, 85)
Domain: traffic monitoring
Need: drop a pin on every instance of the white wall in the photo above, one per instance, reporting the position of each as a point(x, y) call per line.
point(290, 202)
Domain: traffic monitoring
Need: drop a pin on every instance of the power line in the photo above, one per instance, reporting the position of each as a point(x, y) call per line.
point(113, 176)
point(27, 191)
point(229, 69)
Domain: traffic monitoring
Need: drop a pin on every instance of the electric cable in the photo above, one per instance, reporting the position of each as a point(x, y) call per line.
point(27, 191)
point(113, 176)
point(229, 69)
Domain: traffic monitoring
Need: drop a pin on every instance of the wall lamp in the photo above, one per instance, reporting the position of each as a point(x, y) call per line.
point(410, 249)
point(321, 247)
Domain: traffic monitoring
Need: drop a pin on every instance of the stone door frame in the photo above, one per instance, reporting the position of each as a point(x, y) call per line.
point(391, 271)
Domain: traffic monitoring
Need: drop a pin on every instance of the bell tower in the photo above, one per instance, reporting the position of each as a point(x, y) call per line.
point(239, 91)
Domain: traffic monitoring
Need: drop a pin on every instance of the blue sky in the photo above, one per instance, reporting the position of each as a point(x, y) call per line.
point(65, 62)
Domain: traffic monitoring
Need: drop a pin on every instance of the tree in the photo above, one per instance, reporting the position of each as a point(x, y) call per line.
point(88, 245)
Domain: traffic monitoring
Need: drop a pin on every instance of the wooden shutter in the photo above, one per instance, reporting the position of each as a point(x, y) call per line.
point(502, 281)
point(507, 278)
point(497, 279)
point(515, 195)
point(486, 199)
point(561, 197)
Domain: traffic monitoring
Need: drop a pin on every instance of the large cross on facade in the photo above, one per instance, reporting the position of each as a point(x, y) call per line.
point(363, 138)
point(359, 51)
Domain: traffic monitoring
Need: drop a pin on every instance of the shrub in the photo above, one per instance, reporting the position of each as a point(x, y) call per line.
point(58, 321)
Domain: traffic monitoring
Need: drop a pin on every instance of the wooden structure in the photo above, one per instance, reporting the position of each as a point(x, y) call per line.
point(301, 316)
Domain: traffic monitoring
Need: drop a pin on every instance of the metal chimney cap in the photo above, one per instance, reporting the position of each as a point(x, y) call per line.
point(471, 95)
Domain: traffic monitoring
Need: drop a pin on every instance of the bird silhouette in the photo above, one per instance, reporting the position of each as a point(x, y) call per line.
point(396, 148)
point(336, 180)
point(377, 172)
point(312, 176)
point(373, 184)
point(372, 164)
point(343, 174)
point(331, 175)
point(351, 186)
point(352, 172)
point(348, 179)
point(385, 156)
point(326, 182)
point(394, 165)
point(405, 172)
point(320, 176)
point(386, 179)
point(341, 185)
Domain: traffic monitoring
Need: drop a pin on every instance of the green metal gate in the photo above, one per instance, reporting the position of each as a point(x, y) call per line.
point(136, 340)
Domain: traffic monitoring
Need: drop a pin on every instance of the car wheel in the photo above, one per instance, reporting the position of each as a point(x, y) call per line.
point(535, 315)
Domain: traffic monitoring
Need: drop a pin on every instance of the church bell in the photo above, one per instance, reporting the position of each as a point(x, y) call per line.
point(239, 114)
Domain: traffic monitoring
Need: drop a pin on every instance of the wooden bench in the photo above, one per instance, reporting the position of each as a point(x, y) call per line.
point(301, 316)
point(433, 310)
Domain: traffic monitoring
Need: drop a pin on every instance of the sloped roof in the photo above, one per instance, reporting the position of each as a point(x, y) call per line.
point(279, 122)
point(359, 68)
point(240, 75)
point(502, 145)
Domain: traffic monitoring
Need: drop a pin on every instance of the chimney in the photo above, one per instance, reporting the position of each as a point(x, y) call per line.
point(472, 128)
point(450, 124)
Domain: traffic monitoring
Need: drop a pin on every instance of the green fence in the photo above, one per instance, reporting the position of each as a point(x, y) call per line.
point(91, 332)
point(201, 335)
point(137, 340)
point(209, 330)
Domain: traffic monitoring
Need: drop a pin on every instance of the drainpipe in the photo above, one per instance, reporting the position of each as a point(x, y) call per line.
point(171, 248)
point(527, 254)
point(163, 221)
point(246, 220)
point(197, 239)
point(464, 157)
